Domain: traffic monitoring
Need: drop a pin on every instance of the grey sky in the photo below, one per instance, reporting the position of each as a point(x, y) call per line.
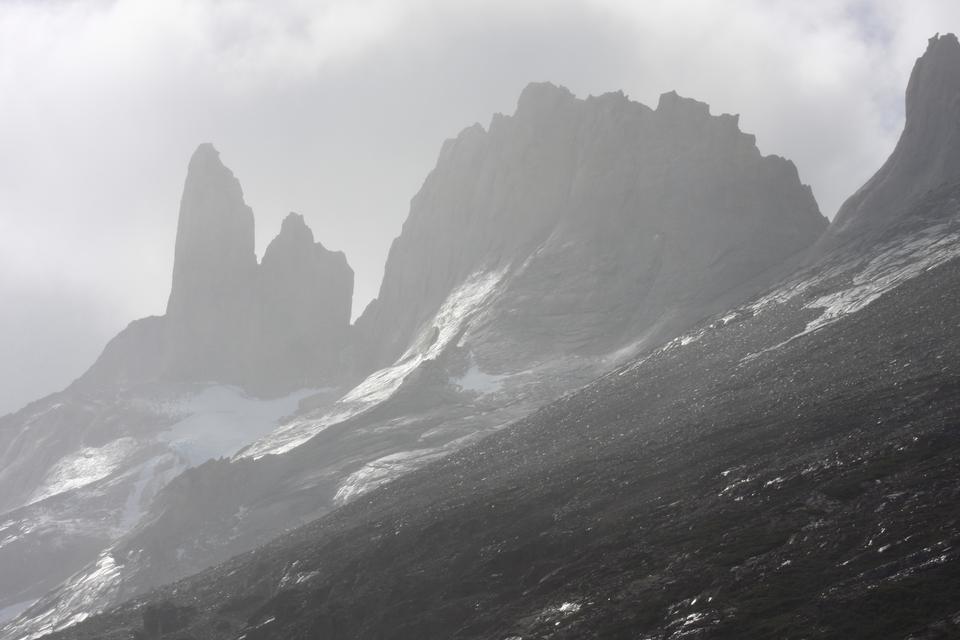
point(337, 110)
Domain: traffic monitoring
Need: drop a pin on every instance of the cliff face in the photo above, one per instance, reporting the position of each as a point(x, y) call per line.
point(211, 312)
point(608, 213)
point(926, 157)
point(304, 297)
point(270, 327)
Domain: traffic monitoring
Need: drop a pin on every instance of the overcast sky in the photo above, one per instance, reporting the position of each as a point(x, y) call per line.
point(337, 110)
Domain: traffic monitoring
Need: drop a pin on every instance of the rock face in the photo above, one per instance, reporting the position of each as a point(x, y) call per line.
point(79, 468)
point(304, 297)
point(608, 214)
point(211, 311)
point(927, 155)
point(133, 356)
point(272, 327)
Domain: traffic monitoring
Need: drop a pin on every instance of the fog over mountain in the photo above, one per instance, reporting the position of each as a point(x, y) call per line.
point(621, 378)
point(314, 102)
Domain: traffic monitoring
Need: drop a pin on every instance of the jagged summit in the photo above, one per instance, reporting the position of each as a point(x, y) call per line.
point(672, 102)
point(628, 210)
point(538, 98)
point(294, 226)
point(269, 327)
point(927, 154)
point(296, 238)
point(209, 311)
point(215, 230)
point(294, 235)
point(305, 293)
point(935, 80)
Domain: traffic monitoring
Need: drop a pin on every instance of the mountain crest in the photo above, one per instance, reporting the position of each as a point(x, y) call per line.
point(935, 80)
point(540, 97)
point(616, 201)
point(927, 154)
point(269, 327)
point(673, 103)
point(215, 233)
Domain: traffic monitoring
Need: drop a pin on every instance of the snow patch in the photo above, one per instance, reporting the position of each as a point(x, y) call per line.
point(84, 467)
point(556, 614)
point(12, 611)
point(221, 419)
point(894, 264)
point(891, 268)
point(77, 602)
point(459, 307)
point(476, 381)
point(373, 474)
point(382, 470)
point(152, 475)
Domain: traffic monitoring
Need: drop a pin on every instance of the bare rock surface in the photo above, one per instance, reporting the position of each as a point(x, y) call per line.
point(926, 157)
point(305, 293)
point(211, 312)
point(608, 215)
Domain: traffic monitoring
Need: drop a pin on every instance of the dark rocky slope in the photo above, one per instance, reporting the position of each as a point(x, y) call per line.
point(758, 478)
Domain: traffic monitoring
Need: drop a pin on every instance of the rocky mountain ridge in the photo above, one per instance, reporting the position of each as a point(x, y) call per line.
point(79, 467)
point(786, 469)
point(927, 155)
point(271, 328)
point(537, 255)
point(581, 235)
point(660, 208)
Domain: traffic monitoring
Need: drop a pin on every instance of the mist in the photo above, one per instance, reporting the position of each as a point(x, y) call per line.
point(337, 111)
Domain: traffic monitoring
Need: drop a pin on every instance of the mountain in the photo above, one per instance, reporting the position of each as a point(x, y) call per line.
point(269, 327)
point(79, 467)
point(926, 157)
point(604, 216)
point(305, 293)
point(211, 312)
point(744, 482)
point(540, 253)
point(784, 468)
